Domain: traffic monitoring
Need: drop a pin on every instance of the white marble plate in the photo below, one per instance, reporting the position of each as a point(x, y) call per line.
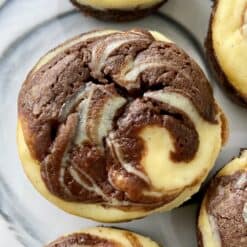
point(28, 30)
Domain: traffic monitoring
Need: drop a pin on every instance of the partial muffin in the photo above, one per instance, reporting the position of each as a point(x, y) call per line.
point(226, 46)
point(116, 125)
point(121, 10)
point(103, 237)
point(223, 215)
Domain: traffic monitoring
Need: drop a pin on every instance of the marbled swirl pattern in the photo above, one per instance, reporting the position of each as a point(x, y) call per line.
point(24, 28)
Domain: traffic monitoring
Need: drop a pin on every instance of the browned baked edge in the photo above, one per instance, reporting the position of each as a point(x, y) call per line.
point(199, 238)
point(116, 14)
point(221, 77)
point(198, 232)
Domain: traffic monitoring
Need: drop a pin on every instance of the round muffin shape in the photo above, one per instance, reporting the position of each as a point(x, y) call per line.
point(116, 125)
point(102, 236)
point(226, 46)
point(223, 214)
point(121, 10)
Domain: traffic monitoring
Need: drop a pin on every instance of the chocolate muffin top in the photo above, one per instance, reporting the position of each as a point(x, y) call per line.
point(103, 237)
point(83, 239)
point(120, 11)
point(226, 204)
point(88, 112)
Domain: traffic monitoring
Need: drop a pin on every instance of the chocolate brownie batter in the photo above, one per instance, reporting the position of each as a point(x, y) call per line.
point(82, 113)
point(227, 198)
point(117, 14)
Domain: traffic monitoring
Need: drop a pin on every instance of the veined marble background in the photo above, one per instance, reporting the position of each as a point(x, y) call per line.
point(28, 29)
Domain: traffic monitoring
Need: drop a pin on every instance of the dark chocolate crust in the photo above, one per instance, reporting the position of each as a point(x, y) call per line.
point(116, 14)
point(66, 99)
point(220, 75)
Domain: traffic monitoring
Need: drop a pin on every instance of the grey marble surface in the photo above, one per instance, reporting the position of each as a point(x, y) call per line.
point(30, 28)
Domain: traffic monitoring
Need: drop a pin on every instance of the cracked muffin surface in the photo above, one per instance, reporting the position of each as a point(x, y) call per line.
point(119, 122)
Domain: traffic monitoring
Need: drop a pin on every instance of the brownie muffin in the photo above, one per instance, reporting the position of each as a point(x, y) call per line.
point(226, 46)
point(223, 215)
point(103, 237)
point(116, 125)
point(120, 10)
